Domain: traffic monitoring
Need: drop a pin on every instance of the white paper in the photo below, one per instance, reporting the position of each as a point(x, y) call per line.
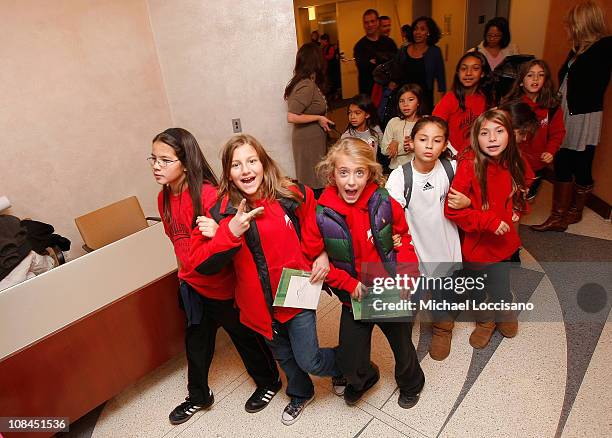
point(301, 294)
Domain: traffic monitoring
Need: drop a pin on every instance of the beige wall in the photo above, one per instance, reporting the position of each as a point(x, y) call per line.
point(84, 94)
point(82, 97)
point(528, 20)
point(228, 60)
point(452, 45)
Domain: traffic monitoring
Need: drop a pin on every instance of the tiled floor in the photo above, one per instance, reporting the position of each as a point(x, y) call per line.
point(516, 387)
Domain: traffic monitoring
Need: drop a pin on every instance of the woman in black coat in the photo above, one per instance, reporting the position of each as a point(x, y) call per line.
point(584, 78)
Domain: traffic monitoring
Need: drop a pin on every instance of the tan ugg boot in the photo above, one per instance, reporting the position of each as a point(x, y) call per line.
point(441, 339)
point(507, 323)
point(485, 326)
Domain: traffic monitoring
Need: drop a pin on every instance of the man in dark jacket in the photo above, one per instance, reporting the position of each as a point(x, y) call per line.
point(371, 50)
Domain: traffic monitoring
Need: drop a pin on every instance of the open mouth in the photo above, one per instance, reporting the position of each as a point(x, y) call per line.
point(247, 181)
point(350, 193)
point(493, 148)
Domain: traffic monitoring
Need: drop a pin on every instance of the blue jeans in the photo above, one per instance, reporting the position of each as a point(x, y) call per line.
point(296, 348)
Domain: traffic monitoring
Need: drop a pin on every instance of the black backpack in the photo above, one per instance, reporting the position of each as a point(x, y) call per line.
point(407, 169)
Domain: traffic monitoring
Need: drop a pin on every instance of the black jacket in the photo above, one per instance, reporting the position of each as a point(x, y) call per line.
point(588, 77)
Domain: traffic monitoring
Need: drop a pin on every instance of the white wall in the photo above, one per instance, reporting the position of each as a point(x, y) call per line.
point(82, 97)
point(225, 60)
point(86, 85)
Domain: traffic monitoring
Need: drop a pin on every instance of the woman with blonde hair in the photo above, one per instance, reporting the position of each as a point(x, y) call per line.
point(584, 78)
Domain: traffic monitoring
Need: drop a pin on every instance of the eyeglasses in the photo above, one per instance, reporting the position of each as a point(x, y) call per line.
point(162, 162)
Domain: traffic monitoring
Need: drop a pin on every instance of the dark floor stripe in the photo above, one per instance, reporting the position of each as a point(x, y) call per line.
point(524, 283)
point(572, 263)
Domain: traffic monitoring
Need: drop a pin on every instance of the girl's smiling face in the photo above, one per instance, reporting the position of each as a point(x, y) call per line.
point(470, 72)
point(357, 117)
point(408, 104)
point(492, 139)
point(247, 171)
point(350, 178)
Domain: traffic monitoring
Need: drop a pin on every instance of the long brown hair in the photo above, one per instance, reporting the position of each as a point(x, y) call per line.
point(197, 169)
point(510, 158)
point(484, 85)
point(547, 97)
point(308, 65)
point(274, 185)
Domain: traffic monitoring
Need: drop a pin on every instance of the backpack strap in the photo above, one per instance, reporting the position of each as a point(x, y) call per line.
point(215, 263)
point(215, 211)
point(289, 206)
point(253, 241)
point(448, 168)
point(407, 169)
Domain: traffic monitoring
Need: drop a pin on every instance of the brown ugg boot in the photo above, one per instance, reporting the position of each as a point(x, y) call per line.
point(581, 194)
point(485, 326)
point(441, 339)
point(507, 323)
point(557, 221)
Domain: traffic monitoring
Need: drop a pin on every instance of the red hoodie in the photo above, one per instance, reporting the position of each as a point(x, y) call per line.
point(459, 121)
point(547, 138)
point(281, 248)
point(480, 243)
point(219, 286)
point(358, 221)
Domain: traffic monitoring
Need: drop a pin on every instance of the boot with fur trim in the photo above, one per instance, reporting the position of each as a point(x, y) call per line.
point(441, 339)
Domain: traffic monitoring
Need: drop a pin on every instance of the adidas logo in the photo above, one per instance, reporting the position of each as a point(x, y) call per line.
point(427, 186)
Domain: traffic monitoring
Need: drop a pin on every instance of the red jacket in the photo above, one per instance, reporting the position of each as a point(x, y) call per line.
point(547, 138)
point(219, 286)
point(459, 121)
point(281, 248)
point(480, 243)
point(358, 221)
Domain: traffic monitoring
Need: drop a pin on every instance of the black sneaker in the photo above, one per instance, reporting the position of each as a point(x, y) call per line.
point(338, 385)
point(351, 396)
point(293, 410)
point(406, 400)
point(261, 397)
point(185, 410)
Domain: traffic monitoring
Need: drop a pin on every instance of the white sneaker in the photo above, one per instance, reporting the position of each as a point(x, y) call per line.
point(293, 411)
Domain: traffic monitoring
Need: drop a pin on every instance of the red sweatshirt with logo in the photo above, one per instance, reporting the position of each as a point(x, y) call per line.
point(281, 248)
point(219, 286)
point(547, 138)
point(460, 121)
point(480, 243)
point(358, 222)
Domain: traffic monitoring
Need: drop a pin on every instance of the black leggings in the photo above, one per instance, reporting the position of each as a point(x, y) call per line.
point(575, 165)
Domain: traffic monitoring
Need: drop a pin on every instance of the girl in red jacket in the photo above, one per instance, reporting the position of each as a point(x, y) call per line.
point(535, 87)
point(495, 178)
point(353, 178)
point(261, 214)
point(467, 100)
point(188, 191)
